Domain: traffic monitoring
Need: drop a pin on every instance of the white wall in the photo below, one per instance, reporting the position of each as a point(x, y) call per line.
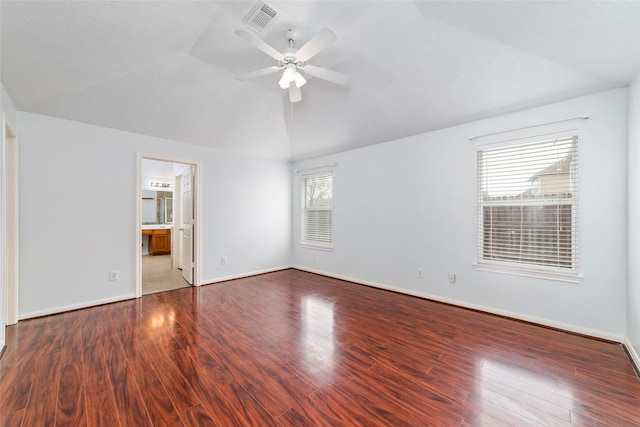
point(148, 208)
point(411, 204)
point(8, 108)
point(421, 190)
point(78, 212)
point(633, 294)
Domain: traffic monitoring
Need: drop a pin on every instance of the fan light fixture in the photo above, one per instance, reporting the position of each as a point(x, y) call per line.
point(291, 75)
point(292, 61)
point(160, 184)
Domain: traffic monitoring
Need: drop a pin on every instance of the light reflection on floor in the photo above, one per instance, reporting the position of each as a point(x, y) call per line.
point(515, 389)
point(162, 321)
point(318, 334)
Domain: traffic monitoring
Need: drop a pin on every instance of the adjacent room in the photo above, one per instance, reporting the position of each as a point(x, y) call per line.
point(320, 213)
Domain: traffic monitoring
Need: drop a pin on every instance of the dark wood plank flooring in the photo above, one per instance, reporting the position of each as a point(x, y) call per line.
point(293, 348)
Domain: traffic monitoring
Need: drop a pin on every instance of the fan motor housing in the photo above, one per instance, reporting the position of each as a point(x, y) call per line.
point(291, 35)
point(290, 55)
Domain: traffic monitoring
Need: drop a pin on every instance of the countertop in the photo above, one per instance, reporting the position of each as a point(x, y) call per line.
point(156, 226)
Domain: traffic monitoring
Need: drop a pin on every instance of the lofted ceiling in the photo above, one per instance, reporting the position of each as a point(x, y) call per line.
point(166, 68)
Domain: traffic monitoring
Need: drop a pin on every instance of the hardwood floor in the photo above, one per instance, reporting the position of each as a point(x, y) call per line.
point(295, 349)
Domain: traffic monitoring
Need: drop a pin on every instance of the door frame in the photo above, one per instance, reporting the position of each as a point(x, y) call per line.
point(196, 214)
point(10, 252)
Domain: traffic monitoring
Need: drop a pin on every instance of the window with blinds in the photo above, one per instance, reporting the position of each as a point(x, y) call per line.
point(527, 205)
point(317, 227)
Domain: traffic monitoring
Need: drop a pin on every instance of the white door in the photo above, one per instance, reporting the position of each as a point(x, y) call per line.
point(176, 239)
point(186, 218)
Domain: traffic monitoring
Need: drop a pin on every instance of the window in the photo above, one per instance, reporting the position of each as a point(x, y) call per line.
point(527, 205)
point(318, 201)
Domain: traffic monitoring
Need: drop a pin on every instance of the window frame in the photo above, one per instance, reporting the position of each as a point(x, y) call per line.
point(530, 269)
point(304, 237)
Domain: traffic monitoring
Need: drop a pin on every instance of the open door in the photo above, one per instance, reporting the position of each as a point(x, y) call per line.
point(158, 272)
point(187, 224)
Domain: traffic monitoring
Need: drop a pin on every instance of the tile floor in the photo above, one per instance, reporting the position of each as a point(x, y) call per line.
point(158, 276)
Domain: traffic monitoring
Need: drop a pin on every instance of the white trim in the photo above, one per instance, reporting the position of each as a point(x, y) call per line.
point(243, 275)
point(635, 358)
point(321, 247)
point(532, 319)
point(10, 221)
point(86, 304)
point(328, 167)
point(197, 221)
point(196, 212)
point(137, 204)
point(559, 276)
point(527, 139)
point(581, 116)
point(170, 159)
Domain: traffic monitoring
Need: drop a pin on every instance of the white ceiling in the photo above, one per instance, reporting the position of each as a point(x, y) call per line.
point(166, 68)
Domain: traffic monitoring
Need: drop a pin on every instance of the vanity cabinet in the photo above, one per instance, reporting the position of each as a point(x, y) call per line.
point(159, 241)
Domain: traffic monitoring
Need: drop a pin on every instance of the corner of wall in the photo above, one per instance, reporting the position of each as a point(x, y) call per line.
point(8, 114)
point(632, 341)
point(7, 106)
point(633, 355)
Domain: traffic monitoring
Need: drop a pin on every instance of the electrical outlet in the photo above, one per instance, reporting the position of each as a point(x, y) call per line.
point(113, 276)
point(452, 278)
point(420, 273)
point(223, 260)
point(315, 255)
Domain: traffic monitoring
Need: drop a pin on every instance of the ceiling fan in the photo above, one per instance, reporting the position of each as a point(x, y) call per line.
point(292, 61)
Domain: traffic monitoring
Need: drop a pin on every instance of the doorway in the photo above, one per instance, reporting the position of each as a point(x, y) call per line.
point(167, 227)
point(9, 216)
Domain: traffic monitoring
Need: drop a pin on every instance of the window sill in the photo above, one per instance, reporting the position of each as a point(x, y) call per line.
point(320, 246)
point(559, 276)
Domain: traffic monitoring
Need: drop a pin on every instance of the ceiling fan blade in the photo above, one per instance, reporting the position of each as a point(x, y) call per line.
point(295, 95)
point(326, 74)
point(260, 44)
point(258, 73)
point(314, 46)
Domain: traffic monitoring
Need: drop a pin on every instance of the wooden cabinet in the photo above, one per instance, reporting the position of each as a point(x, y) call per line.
point(159, 241)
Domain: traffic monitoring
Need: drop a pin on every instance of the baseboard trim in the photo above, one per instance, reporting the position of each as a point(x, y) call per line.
point(635, 359)
point(633, 355)
point(243, 275)
point(86, 304)
point(513, 315)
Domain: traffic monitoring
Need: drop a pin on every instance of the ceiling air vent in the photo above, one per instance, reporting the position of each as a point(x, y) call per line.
point(259, 16)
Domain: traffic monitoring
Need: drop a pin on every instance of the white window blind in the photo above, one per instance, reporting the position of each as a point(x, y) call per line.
point(527, 205)
point(317, 225)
